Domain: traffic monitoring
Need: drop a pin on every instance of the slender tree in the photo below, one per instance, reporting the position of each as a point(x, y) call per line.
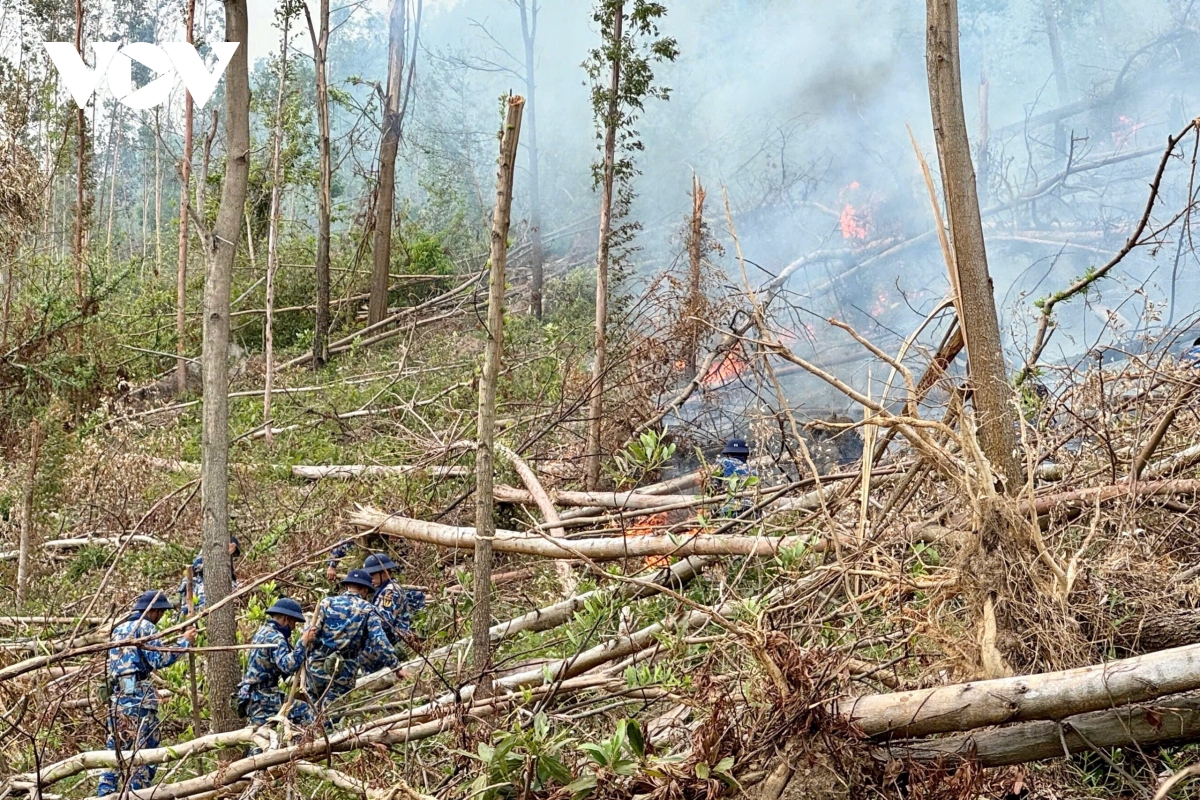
point(185, 179)
point(320, 42)
point(622, 78)
point(993, 397)
point(529, 23)
point(81, 166)
point(273, 224)
point(381, 251)
point(485, 524)
point(221, 247)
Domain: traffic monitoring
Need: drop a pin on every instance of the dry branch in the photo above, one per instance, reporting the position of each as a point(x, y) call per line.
point(596, 548)
point(1046, 696)
point(350, 471)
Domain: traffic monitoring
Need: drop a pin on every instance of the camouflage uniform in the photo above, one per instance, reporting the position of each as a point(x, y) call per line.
point(133, 710)
point(198, 594)
point(729, 470)
point(339, 551)
point(350, 628)
point(259, 688)
point(397, 606)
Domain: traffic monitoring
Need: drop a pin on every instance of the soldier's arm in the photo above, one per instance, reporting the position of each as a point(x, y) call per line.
point(379, 648)
point(339, 551)
point(161, 659)
point(289, 658)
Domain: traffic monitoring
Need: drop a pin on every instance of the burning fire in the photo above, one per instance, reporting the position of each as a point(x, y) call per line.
point(728, 368)
point(1126, 131)
point(648, 527)
point(854, 221)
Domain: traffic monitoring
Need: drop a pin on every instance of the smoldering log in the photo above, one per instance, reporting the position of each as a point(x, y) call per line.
point(1168, 720)
point(1045, 696)
point(596, 548)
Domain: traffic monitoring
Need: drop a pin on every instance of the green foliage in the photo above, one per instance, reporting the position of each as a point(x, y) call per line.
point(88, 558)
point(642, 458)
point(617, 756)
point(518, 755)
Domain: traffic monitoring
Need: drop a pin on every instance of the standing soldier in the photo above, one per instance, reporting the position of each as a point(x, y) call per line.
point(259, 696)
point(396, 604)
point(133, 703)
point(347, 631)
point(199, 597)
point(733, 475)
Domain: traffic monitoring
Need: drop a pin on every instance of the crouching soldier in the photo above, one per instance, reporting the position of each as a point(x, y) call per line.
point(132, 718)
point(347, 632)
point(259, 695)
point(396, 604)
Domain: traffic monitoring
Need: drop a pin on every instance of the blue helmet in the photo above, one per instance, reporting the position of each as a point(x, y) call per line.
point(287, 607)
point(736, 447)
point(379, 562)
point(358, 577)
point(152, 600)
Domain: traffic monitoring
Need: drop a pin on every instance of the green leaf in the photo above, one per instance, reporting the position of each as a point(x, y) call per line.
point(595, 752)
point(582, 786)
point(725, 765)
point(636, 741)
point(702, 771)
point(550, 768)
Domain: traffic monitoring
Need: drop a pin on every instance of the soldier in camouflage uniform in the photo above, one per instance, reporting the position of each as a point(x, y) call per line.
point(349, 633)
point(132, 718)
point(396, 604)
point(275, 658)
point(199, 597)
point(731, 474)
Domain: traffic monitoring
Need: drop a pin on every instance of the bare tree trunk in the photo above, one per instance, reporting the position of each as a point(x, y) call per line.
point(381, 251)
point(80, 174)
point(273, 234)
point(320, 39)
point(115, 140)
point(26, 544)
point(529, 15)
point(145, 216)
point(977, 304)
point(202, 183)
point(485, 525)
point(185, 175)
point(600, 360)
point(157, 194)
point(222, 665)
point(1060, 73)
point(695, 255)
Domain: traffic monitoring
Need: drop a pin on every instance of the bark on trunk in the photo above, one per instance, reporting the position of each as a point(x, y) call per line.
point(80, 176)
point(222, 665)
point(608, 548)
point(158, 256)
point(977, 304)
point(185, 175)
point(1167, 720)
point(202, 183)
point(27, 509)
point(324, 200)
point(1060, 73)
point(600, 358)
point(273, 236)
point(529, 15)
point(481, 613)
point(1050, 695)
point(695, 253)
point(381, 251)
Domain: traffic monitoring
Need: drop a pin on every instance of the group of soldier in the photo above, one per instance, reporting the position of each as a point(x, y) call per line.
point(356, 632)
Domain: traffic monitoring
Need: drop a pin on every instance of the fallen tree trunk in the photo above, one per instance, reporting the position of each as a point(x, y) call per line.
point(348, 471)
point(595, 548)
point(71, 544)
point(1168, 720)
point(1047, 696)
point(1086, 498)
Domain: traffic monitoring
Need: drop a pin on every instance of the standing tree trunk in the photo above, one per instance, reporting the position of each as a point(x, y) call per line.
point(185, 176)
point(222, 665)
point(1060, 74)
point(984, 160)
point(381, 250)
point(320, 39)
point(529, 15)
point(977, 303)
point(694, 302)
point(112, 187)
point(26, 544)
point(157, 194)
point(273, 234)
point(80, 175)
point(485, 525)
point(202, 183)
point(600, 361)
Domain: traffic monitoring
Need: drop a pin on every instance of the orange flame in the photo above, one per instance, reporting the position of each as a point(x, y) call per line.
point(648, 527)
point(1126, 131)
point(853, 221)
point(724, 371)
